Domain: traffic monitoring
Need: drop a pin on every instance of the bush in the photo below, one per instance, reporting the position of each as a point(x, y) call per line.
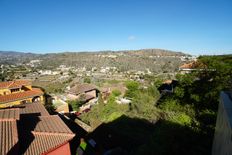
point(87, 80)
point(132, 85)
point(116, 92)
point(74, 105)
point(170, 105)
point(180, 118)
point(132, 89)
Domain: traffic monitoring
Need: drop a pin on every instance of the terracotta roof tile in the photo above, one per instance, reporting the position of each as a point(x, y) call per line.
point(187, 66)
point(81, 88)
point(8, 137)
point(9, 114)
point(42, 134)
point(34, 108)
point(45, 143)
point(20, 95)
point(37, 134)
point(193, 65)
point(14, 84)
point(48, 124)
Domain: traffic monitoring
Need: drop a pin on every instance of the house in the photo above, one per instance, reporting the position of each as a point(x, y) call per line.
point(30, 130)
point(45, 72)
point(18, 92)
point(193, 66)
point(85, 92)
point(187, 67)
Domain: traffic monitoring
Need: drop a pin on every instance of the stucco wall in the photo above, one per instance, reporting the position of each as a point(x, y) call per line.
point(222, 144)
point(4, 105)
point(7, 91)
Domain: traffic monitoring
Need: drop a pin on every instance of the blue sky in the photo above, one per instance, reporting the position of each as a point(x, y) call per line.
point(192, 26)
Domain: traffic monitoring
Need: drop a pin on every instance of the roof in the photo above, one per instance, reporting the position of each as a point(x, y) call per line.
point(46, 143)
point(8, 137)
point(14, 84)
point(9, 114)
point(192, 65)
point(21, 95)
point(42, 134)
point(50, 124)
point(33, 108)
point(32, 134)
point(187, 66)
point(82, 88)
point(88, 97)
point(167, 81)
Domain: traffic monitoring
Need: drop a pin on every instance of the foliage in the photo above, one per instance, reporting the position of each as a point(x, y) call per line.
point(196, 97)
point(180, 118)
point(186, 118)
point(87, 80)
point(74, 104)
point(116, 92)
point(132, 89)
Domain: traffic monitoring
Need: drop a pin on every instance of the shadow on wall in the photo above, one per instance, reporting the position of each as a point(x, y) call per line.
point(138, 136)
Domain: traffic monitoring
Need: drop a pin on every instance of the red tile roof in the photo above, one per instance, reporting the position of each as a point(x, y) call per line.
point(51, 124)
point(34, 108)
point(43, 134)
point(187, 66)
point(8, 137)
point(46, 143)
point(9, 114)
point(82, 88)
point(14, 84)
point(20, 95)
point(36, 134)
point(192, 65)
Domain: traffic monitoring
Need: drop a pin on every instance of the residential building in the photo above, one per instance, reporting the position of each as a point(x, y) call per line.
point(85, 92)
point(18, 92)
point(193, 66)
point(30, 130)
point(187, 67)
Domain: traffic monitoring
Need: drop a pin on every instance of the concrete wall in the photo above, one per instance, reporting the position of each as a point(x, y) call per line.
point(222, 144)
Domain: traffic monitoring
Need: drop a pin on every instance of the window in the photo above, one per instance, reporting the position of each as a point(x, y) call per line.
point(15, 90)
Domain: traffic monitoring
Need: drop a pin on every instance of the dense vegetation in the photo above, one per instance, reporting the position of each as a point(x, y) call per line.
point(182, 122)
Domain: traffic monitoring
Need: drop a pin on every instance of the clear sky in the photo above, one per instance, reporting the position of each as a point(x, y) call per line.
point(192, 26)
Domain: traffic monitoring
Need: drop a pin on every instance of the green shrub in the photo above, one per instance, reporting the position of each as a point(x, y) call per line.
point(170, 105)
point(87, 80)
point(116, 92)
point(74, 104)
point(180, 118)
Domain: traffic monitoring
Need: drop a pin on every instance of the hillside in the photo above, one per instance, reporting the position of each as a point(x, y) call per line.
point(156, 60)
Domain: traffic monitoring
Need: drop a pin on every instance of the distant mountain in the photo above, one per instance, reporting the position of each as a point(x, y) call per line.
point(12, 57)
point(154, 59)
